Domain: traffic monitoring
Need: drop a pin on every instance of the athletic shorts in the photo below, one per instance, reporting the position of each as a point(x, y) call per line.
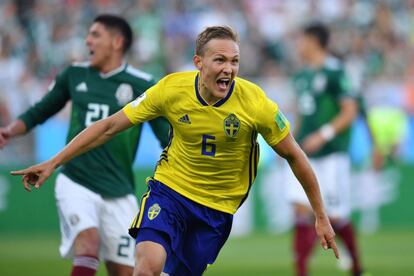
point(79, 209)
point(333, 174)
point(192, 234)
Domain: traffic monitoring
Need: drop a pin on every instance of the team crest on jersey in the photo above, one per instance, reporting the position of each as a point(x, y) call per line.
point(231, 125)
point(154, 211)
point(124, 94)
point(319, 83)
point(74, 219)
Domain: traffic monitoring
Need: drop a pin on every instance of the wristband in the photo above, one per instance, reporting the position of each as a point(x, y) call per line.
point(327, 132)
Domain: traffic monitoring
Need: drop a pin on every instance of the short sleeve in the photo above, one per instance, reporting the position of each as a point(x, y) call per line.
point(270, 122)
point(343, 85)
point(147, 106)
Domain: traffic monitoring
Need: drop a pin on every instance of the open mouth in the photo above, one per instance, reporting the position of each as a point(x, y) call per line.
point(91, 52)
point(223, 83)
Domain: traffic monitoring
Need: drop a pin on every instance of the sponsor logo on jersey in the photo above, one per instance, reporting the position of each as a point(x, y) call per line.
point(124, 94)
point(280, 120)
point(81, 87)
point(185, 119)
point(138, 100)
point(154, 211)
point(231, 125)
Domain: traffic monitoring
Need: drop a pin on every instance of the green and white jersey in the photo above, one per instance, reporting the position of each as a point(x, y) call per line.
point(319, 93)
point(107, 169)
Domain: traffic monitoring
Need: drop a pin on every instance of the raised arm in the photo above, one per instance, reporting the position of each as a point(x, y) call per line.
point(298, 162)
point(91, 137)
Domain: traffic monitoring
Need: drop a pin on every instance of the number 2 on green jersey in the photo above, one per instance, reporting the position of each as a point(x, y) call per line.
point(95, 113)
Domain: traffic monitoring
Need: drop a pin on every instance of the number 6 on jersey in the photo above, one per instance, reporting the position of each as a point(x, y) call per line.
point(208, 149)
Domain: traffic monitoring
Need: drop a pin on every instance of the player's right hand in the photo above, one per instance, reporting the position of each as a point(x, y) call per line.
point(35, 175)
point(4, 136)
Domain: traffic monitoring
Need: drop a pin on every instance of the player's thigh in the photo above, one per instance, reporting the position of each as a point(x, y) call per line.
point(163, 220)
point(150, 257)
point(205, 237)
point(78, 210)
point(87, 242)
point(116, 244)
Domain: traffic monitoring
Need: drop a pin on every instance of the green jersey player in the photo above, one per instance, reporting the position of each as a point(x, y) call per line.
point(95, 191)
point(326, 108)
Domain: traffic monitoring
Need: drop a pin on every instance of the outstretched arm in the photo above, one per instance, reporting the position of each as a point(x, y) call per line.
point(298, 162)
point(93, 136)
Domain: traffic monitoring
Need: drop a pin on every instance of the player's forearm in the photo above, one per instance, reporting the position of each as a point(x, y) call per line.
point(16, 128)
point(91, 137)
point(349, 110)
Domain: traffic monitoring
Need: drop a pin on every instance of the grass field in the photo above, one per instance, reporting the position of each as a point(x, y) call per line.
point(387, 253)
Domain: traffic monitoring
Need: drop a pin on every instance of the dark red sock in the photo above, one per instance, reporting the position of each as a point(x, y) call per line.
point(84, 266)
point(347, 234)
point(305, 236)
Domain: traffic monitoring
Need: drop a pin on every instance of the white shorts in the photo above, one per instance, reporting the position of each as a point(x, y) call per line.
point(333, 173)
point(79, 209)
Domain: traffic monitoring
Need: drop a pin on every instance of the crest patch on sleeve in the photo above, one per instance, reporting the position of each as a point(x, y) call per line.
point(280, 120)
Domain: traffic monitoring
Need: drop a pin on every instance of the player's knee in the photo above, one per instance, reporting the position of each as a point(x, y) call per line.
point(87, 242)
point(115, 269)
point(149, 259)
point(147, 268)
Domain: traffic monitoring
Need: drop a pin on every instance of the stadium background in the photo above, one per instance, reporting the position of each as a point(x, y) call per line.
point(375, 38)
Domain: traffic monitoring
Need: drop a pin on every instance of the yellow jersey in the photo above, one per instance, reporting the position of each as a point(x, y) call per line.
point(213, 152)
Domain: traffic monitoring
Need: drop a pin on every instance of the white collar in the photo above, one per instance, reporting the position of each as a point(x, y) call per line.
point(113, 72)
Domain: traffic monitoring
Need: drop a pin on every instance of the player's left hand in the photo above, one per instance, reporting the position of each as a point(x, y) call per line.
point(35, 175)
point(326, 235)
point(313, 142)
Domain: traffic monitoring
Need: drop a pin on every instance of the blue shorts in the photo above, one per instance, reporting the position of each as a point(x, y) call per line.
point(192, 234)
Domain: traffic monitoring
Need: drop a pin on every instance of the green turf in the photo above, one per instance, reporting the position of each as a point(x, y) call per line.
point(389, 252)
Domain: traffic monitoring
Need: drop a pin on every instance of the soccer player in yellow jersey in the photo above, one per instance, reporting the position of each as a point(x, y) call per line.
point(206, 171)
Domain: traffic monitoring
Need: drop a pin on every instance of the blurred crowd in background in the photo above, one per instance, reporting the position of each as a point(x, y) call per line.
point(374, 38)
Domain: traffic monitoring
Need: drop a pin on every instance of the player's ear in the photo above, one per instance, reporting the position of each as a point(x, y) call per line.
point(197, 62)
point(118, 42)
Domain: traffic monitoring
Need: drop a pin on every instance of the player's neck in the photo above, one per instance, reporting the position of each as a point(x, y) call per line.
point(317, 59)
point(111, 65)
point(208, 96)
